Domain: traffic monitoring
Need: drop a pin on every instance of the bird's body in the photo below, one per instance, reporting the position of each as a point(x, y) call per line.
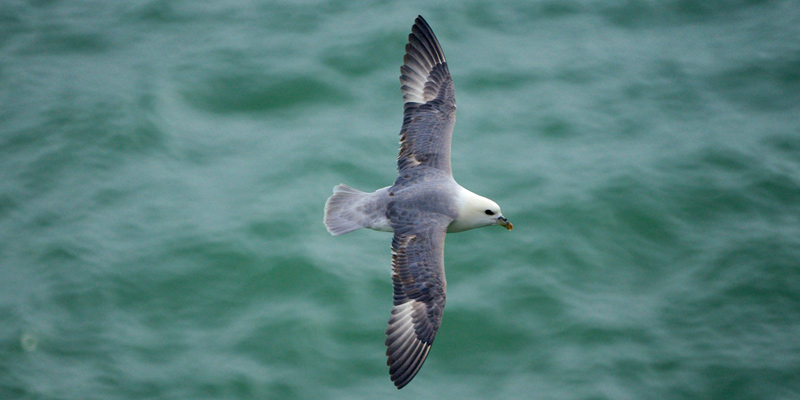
point(422, 205)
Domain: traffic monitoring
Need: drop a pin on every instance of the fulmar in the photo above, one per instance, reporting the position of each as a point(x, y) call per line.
point(422, 205)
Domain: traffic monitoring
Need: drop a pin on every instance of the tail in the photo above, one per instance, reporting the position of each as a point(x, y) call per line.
point(341, 214)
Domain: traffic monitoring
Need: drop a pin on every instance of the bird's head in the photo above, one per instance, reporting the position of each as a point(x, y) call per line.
point(478, 211)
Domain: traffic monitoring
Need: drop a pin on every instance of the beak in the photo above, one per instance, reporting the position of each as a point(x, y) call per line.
point(502, 221)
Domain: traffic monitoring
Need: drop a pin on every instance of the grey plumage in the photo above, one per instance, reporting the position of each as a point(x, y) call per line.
point(429, 112)
point(350, 209)
point(422, 205)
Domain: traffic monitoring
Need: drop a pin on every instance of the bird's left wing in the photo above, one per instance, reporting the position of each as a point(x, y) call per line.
point(429, 104)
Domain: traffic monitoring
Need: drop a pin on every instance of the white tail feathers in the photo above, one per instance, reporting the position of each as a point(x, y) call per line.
point(341, 214)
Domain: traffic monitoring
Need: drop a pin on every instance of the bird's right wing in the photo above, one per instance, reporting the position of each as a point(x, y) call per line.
point(419, 292)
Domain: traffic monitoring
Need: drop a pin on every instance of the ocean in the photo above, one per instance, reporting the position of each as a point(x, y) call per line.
point(165, 165)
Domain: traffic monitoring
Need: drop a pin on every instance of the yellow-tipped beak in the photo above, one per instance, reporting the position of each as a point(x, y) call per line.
point(504, 223)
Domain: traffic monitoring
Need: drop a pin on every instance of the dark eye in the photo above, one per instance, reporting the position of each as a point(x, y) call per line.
point(489, 212)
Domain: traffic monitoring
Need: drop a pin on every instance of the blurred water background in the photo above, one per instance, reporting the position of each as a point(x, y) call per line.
point(165, 163)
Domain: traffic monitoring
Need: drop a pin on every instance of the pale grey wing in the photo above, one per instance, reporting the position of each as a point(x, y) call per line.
point(429, 111)
point(419, 291)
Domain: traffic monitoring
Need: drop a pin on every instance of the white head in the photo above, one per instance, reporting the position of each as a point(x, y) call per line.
point(477, 211)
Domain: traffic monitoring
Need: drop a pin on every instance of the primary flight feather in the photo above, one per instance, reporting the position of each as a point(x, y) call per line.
point(422, 205)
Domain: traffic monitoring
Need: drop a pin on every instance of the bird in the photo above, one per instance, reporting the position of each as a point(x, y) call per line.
point(422, 205)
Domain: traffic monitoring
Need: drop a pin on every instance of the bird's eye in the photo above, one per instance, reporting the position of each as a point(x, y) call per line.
point(489, 212)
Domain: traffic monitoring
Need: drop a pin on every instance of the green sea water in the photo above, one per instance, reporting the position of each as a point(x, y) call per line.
point(164, 166)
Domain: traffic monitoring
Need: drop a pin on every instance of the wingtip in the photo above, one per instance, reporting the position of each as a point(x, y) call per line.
point(404, 375)
point(407, 343)
point(421, 21)
point(422, 24)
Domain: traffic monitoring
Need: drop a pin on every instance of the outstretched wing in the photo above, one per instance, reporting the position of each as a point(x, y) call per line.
point(419, 291)
point(429, 111)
